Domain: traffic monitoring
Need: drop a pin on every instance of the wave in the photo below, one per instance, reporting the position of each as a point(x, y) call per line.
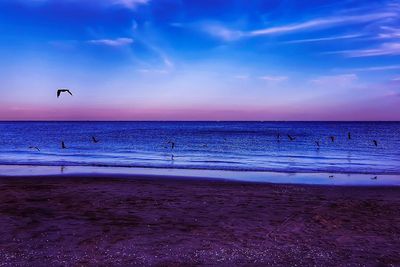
point(221, 168)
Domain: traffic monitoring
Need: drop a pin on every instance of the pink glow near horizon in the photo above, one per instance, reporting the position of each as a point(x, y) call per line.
point(365, 111)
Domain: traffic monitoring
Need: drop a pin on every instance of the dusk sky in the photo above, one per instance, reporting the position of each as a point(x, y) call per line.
point(200, 60)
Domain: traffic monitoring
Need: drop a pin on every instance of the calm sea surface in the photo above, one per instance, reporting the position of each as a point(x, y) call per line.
point(238, 146)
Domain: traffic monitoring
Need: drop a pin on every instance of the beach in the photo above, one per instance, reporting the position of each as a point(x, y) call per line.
point(148, 220)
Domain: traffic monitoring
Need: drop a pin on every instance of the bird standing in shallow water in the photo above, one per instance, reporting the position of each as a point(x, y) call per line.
point(332, 138)
point(375, 142)
point(374, 178)
point(172, 144)
point(317, 143)
point(95, 140)
point(349, 135)
point(63, 145)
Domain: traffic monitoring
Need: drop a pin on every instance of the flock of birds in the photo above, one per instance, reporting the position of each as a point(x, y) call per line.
point(94, 139)
point(318, 144)
point(332, 138)
point(172, 144)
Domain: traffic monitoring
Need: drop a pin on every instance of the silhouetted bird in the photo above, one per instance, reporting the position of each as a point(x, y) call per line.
point(375, 142)
point(34, 147)
point(332, 138)
point(63, 90)
point(278, 136)
point(172, 144)
point(331, 176)
point(349, 135)
point(172, 157)
point(317, 143)
point(95, 140)
point(291, 138)
point(374, 178)
point(63, 145)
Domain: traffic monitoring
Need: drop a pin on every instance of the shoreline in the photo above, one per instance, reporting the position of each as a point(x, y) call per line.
point(115, 221)
point(300, 178)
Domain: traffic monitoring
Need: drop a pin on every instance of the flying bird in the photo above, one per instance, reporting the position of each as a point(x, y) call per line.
point(172, 144)
point(331, 176)
point(332, 138)
point(291, 138)
point(34, 147)
point(374, 178)
point(63, 90)
point(375, 142)
point(95, 140)
point(63, 145)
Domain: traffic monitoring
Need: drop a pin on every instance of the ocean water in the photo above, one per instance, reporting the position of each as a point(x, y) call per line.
point(234, 146)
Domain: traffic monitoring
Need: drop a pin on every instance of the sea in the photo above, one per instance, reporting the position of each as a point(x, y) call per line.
point(229, 146)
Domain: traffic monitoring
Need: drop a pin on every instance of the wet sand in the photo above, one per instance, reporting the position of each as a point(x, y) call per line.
point(64, 221)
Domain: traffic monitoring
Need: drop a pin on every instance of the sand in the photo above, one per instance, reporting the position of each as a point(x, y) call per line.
point(105, 221)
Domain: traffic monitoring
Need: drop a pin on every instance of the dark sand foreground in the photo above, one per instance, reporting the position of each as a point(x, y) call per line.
point(57, 221)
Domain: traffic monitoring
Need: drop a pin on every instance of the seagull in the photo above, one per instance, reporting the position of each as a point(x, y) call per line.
point(332, 138)
point(95, 140)
point(375, 142)
point(349, 135)
point(291, 138)
point(317, 143)
point(374, 178)
point(63, 90)
point(34, 147)
point(63, 145)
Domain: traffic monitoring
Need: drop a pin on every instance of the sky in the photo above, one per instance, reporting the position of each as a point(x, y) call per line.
point(200, 60)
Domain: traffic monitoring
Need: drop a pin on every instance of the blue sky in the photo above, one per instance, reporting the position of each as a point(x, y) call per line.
point(200, 60)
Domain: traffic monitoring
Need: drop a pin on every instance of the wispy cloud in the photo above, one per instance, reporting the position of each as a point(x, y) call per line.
point(323, 23)
point(332, 38)
point(392, 94)
point(112, 42)
point(222, 32)
point(385, 49)
point(274, 78)
point(227, 34)
point(377, 68)
point(341, 80)
point(389, 32)
point(131, 4)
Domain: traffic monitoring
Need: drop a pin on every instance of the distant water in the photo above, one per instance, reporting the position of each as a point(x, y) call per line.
point(237, 146)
